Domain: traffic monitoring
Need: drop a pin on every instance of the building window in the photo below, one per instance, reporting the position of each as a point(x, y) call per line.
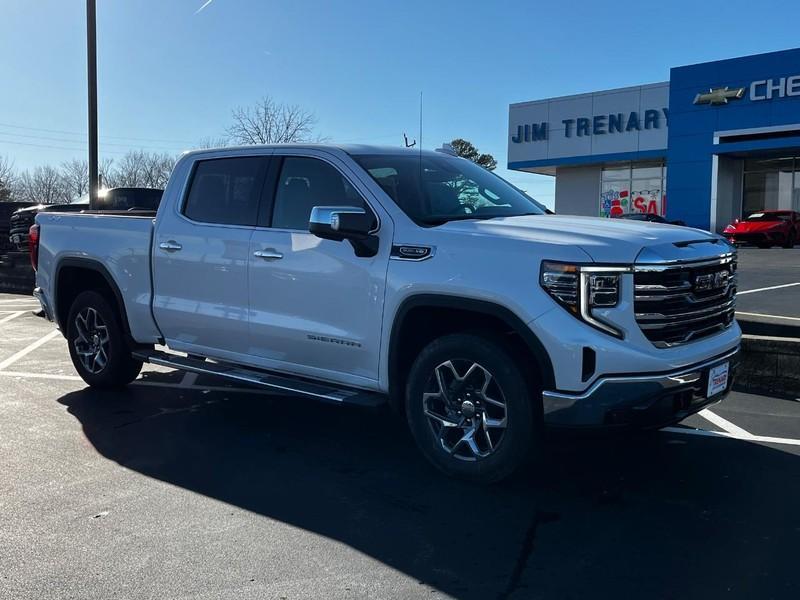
point(633, 188)
point(771, 184)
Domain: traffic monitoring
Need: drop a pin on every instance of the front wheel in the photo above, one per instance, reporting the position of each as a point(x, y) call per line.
point(97, 346)
point(470, 408)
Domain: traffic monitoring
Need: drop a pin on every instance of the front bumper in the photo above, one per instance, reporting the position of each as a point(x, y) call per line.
point(642, 400)
point(769, 237)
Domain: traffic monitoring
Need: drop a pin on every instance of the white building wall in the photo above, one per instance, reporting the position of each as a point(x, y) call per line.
point(565, 140)
point(578, 191)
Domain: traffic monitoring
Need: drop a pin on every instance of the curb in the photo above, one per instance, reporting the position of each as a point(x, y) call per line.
point(770, 365)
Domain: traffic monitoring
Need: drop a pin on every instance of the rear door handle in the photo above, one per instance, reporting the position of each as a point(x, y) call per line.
point(268, 254)
point(170, 246)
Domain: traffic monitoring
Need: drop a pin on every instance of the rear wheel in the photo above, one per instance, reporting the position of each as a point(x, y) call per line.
point(97, 346)
point(790, 241)
point(470, 408)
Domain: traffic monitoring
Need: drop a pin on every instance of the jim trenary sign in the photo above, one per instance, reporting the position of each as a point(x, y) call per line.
point(595, 125)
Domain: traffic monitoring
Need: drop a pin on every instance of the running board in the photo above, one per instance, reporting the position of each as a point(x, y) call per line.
point(264, 379)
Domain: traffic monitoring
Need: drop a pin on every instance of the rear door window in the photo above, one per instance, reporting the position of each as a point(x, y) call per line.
point(226, 191)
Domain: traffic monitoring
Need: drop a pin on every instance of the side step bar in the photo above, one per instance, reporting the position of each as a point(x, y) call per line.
point(264, 379)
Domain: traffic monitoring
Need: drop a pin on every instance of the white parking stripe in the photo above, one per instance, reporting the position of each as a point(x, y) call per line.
point(144, 383)
point(26, 375)
point(724, 424)
point(12, 316)
point(749, 314)
point(764, 439)
point(28, 349)
point(764, 289)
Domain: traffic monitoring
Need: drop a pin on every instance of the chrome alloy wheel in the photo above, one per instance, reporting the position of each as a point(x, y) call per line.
point(466, 409)
point(92, 341)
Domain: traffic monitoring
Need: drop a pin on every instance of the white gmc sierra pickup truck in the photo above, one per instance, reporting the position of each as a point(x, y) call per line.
point(368, 275)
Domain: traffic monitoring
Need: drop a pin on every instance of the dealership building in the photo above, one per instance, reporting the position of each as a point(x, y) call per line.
point(716, 142)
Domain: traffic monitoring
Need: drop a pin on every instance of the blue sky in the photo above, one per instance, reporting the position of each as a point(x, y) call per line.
point(170, 75)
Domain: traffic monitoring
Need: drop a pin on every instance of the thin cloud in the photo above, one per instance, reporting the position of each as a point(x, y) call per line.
point(207, 2)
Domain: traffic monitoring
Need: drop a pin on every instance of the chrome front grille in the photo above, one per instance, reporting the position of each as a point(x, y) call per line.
point(677, 303)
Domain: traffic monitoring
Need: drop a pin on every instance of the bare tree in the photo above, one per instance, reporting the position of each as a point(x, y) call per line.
point(129, 171)
point(270, 122)
point(106, 171)
point(138, 168)
point(75, 176)
point(44, 184)
point(8, 177)
point(157, 169)
point(212, 142)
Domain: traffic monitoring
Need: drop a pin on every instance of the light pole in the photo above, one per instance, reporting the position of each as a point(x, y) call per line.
point(91, 70)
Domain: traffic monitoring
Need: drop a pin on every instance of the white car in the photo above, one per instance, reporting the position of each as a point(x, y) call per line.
point(366, 275)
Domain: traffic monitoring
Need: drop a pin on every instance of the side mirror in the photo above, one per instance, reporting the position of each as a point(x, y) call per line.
point(340, 223)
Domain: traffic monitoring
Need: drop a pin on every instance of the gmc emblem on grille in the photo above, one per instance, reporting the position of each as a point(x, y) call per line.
point(711, 281)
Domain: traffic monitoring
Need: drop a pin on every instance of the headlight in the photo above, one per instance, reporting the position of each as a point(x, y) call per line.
point(582, 288)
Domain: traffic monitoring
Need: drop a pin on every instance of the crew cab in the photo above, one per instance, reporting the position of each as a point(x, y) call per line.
point(364, 275)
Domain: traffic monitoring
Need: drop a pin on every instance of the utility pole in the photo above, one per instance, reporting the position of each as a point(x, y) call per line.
point(91, 71)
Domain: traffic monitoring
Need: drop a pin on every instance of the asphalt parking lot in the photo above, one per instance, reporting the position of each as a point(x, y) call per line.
point(181, 487)
point(769, 290)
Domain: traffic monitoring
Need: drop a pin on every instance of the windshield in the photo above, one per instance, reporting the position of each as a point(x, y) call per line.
point(766, 216)
point(435, 189)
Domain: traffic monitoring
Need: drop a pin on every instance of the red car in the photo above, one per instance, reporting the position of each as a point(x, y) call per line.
point(766, 228)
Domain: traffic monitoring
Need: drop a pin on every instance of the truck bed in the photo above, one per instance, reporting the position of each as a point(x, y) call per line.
point(118, 245)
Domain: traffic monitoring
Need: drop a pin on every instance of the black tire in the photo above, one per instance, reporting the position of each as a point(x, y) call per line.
point(764, 246)
point(511, 446)
point(103, 337)
point(789, 243)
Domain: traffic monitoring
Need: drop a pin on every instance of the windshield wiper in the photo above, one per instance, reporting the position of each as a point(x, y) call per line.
point(442, 219)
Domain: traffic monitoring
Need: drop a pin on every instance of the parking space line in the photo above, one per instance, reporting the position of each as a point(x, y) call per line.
point(28, 349)
point(750, 314)
point(732, 436)
point(765, 289)
point(11, 316)
point(140, 382)
point(723, 423)
point(26, 375)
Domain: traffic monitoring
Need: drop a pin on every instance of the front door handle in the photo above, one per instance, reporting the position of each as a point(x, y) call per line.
point(170, 246)
point(268, 254)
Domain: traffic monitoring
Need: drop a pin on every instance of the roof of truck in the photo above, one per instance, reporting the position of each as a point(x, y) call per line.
point(352, 149)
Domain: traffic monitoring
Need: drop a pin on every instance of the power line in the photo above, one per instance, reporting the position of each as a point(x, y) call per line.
point(83, 134)
point(57, 147)
point(67, 141)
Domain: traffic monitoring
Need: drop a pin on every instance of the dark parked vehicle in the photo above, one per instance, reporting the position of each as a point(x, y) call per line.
point(649, 217)
point(15, 271)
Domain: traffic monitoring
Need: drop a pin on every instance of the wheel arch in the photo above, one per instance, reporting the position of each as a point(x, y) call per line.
point(440, 314)
point(93, 272)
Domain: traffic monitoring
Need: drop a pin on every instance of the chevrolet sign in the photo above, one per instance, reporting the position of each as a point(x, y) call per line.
point(719, 95)
point(763, 89)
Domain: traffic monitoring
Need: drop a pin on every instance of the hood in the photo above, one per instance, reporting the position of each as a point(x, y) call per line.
point(756, 226)
point(604, 240)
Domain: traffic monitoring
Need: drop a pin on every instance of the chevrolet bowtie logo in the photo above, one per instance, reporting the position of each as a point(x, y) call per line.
point(719, 95)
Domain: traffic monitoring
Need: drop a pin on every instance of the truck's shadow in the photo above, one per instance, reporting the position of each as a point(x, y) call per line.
point(657, 516)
